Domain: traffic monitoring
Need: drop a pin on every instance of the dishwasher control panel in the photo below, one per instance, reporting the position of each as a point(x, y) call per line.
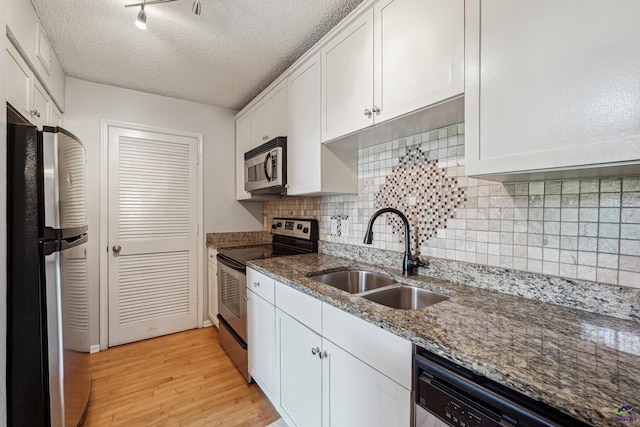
point(452, 410)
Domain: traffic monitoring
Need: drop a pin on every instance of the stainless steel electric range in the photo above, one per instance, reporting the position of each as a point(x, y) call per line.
point(290, 237)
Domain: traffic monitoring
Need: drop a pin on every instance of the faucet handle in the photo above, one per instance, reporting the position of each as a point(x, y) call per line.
point(412, 263)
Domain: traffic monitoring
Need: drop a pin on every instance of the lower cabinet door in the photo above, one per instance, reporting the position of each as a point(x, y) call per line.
point(356, 395)
point(300, 372)
point(262, 344)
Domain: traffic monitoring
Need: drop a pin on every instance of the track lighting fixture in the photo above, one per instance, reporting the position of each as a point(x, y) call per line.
point(196, 7)
point(141, 22)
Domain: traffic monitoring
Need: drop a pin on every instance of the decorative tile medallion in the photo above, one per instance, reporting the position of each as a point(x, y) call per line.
point(423, 192)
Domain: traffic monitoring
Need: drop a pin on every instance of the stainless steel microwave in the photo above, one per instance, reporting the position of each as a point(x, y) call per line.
point(265, 168)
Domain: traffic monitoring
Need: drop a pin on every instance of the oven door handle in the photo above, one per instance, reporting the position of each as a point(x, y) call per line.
point(235, 265)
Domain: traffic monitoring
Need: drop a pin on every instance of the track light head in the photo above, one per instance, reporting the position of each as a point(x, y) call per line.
point(196, 8)
point(141, 22)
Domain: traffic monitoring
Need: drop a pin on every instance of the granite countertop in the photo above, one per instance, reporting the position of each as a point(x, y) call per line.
point(234, 239)
point(583, 363)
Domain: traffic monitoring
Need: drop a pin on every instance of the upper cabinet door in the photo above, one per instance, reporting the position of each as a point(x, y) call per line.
point(419, 57)
point(551, 86)
point(347, 79)
point(269, 116)
point(19, 81)
point(304, 157)
point(259, 122)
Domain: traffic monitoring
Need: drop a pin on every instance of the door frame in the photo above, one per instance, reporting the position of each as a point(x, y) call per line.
point(105, 126)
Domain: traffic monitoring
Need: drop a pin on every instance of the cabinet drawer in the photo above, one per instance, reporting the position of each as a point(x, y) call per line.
point(261, 285)
point(302, 307)
point(380, 349)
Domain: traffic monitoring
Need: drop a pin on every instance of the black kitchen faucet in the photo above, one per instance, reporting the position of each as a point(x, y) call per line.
point(408, 264)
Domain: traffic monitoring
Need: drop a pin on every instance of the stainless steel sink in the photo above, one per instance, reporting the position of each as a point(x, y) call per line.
point(354, 281)
point(405, 297)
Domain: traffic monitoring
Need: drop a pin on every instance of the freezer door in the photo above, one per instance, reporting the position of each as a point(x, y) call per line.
point(65, 177)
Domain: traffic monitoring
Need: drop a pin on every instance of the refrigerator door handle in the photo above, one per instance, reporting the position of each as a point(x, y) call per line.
point(51, 246)
point(72, 243)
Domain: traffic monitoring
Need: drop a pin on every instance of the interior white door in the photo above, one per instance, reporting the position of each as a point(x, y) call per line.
point(152, 234)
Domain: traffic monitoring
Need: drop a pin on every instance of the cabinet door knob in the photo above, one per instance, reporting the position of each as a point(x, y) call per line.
point(116, 249)
point(323, 355)
point(314, 351)
point(367, 112)
point(256, 284)
point(376, 109)
point(35, 113)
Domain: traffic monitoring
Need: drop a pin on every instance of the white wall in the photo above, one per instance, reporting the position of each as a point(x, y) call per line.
point(3, 227)
point(88, 103)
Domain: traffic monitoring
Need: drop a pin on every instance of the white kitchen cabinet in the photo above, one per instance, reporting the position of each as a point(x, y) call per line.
point(360, 396)
point(261, 333)
point(347, 79)
point(313, 168)
point(26, 93)
point(397, 57)
point(19, 81)
point(387, 353)
point(41, 105)
point(326, 382)
point(24, 30)
point(212, 280)
point(419, 57)
point(300, 372)
point(270, 115)
point(552, 89)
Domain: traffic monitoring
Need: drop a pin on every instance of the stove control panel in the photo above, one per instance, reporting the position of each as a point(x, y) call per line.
point(299, 228)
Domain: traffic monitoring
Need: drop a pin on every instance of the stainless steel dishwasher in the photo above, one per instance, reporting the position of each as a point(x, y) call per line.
point(449, 395)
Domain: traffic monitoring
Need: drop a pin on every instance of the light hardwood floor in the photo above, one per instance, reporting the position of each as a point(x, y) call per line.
point(184, 379)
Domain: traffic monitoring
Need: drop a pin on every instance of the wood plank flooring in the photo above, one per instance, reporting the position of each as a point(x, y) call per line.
point(183, 379)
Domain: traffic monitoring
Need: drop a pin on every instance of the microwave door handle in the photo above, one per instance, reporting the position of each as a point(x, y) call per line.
point(266, 170)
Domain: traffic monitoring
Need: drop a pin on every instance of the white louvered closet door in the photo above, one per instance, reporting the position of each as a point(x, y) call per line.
point(152, 234)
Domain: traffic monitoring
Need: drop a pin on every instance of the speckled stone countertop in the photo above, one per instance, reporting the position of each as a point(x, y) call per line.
point(242, 238)
point(583, 363)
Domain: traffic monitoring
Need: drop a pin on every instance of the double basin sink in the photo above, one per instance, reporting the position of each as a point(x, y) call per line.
point(381, 289)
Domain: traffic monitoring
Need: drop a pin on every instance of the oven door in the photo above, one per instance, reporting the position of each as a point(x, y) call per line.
point(264, 173)
point(232, 295)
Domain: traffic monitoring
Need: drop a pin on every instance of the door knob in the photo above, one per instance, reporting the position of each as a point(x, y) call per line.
point(375, 109)
point(367, 112)
point(116, 249)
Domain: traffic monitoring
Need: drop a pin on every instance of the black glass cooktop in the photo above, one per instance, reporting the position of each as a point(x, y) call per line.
point(242, 254)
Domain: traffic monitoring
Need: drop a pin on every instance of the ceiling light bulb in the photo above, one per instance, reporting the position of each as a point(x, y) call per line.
point(196, 8)
point(141, 22)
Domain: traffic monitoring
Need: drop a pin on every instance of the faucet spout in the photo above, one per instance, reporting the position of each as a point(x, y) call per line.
point(408, 264)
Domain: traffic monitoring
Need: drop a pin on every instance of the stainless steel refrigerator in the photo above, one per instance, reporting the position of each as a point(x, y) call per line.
point(48, 370)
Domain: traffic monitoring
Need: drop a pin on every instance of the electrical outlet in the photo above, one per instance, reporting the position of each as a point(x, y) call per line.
point(334, 226)
point(344, 227)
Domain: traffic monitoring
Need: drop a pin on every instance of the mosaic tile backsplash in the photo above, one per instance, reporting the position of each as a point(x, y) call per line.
point(586, 229)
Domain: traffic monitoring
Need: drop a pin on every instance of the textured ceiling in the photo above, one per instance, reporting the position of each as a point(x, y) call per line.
point(224, 57)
